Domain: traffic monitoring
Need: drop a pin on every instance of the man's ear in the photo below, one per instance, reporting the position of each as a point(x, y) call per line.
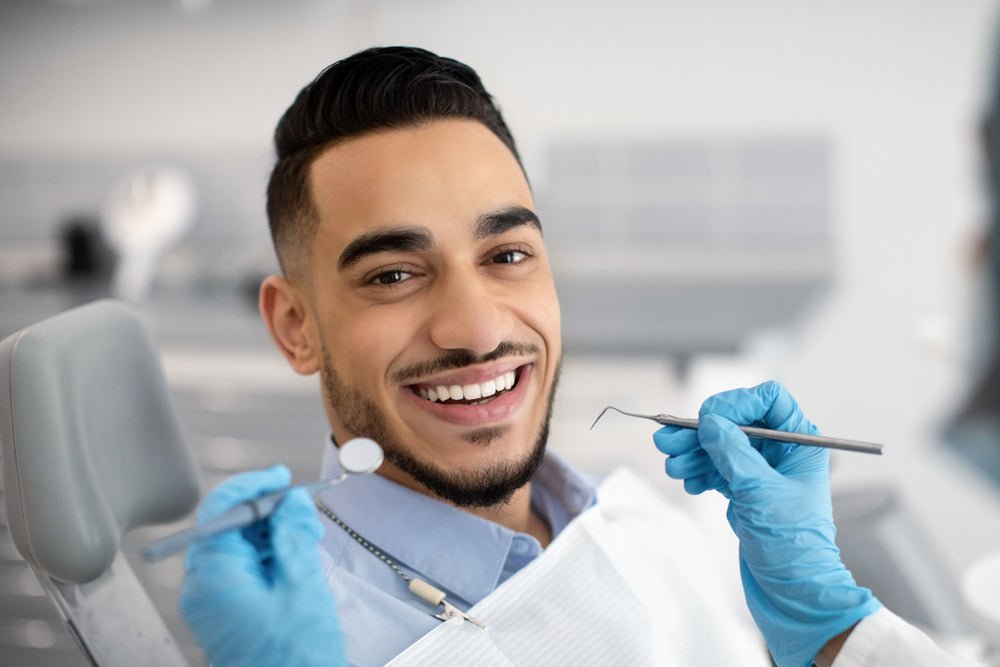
point(286, 312)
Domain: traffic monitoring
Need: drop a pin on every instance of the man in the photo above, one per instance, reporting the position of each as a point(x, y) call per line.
point(416, 283)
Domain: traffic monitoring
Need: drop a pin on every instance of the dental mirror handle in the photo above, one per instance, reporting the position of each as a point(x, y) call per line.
point(359, 456)
point(238, 516)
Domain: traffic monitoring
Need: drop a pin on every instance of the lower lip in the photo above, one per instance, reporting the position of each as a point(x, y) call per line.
point(495, 411)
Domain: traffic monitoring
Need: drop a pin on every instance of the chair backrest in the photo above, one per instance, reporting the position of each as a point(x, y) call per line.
point(90, 448)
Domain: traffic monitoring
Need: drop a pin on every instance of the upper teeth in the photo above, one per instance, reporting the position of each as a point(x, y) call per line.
point(457, 392)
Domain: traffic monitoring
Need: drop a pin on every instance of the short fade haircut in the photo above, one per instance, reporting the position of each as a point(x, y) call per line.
point(382, 88)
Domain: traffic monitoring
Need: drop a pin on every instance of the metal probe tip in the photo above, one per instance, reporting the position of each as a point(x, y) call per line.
point(610, 407)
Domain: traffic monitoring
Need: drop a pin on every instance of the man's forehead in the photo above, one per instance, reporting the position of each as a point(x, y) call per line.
point(453, 170)
point(437, 140)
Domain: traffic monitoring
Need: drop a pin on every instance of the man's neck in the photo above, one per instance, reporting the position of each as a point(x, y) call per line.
point(517, 514)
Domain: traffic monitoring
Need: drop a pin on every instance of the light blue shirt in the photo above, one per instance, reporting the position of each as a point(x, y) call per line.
point(464, 555)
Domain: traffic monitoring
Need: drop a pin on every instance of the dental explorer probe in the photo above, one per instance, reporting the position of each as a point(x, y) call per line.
point(359, 456)
point(764, 433)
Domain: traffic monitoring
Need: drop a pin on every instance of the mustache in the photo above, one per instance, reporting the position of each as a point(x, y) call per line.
point(460, 359)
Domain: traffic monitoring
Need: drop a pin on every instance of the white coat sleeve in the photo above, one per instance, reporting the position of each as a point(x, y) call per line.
point(885, 639)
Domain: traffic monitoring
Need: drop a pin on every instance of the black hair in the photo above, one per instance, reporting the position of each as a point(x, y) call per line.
point(376, 89)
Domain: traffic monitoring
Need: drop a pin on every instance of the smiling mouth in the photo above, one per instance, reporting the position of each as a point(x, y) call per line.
point(469, 394)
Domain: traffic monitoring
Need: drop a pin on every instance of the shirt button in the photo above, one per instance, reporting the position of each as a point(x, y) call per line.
point(519, 546)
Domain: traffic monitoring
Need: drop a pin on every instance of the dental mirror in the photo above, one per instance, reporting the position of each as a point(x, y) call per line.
point(360, 456)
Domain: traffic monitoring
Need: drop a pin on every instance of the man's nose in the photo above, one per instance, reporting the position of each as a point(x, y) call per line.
point(470, 314)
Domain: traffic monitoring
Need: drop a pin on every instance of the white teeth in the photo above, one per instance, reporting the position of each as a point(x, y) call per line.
point(469, 392)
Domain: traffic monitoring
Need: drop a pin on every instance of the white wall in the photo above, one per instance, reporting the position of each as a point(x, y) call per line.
point(897, 83)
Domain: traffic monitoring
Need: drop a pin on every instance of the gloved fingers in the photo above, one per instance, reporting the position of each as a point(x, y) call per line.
point(785, 414)
point(691, 464)
point(231, 550)
point(794, 460)
point(241, 487)
point(731, 452)
point(227, 552)
point(768, 404)
point(258, 535)
point(711, 481)
point(674, 440)
point(213, 571)
point(688, 461)
point(296, 531)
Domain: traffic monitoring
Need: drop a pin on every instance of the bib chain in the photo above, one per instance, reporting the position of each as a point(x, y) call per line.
point(362, 541)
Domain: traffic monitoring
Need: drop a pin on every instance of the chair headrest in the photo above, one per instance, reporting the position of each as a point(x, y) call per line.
point(90, 446)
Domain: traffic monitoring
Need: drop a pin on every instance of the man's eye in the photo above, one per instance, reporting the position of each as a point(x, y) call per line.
point(510, 257)
point(390, 277)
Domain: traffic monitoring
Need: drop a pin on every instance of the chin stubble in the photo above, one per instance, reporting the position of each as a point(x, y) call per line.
point(489, 485)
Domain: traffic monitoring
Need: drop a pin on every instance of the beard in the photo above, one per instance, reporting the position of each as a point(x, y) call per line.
point(489, 485)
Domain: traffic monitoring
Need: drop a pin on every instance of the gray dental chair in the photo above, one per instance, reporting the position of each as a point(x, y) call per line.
point(90, 448)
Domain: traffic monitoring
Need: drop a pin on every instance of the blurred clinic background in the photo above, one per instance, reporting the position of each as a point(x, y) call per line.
point(731, 192)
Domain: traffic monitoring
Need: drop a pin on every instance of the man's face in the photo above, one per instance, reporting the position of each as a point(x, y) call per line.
point(428, 271)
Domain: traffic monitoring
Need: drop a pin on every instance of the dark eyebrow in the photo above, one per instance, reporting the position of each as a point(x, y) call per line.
point(407, 239)
point(498, 222)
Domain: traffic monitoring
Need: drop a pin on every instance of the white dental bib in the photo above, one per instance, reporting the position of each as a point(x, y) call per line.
point(625, 583)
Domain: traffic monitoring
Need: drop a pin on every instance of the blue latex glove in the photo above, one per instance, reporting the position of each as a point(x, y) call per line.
point(258, 596)
point(798, 591)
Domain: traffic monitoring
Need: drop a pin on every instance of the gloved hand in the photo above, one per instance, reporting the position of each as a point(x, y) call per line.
point(798, 591)
point(258, 596)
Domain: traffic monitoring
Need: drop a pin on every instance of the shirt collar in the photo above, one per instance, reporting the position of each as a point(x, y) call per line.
point(467, 553)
